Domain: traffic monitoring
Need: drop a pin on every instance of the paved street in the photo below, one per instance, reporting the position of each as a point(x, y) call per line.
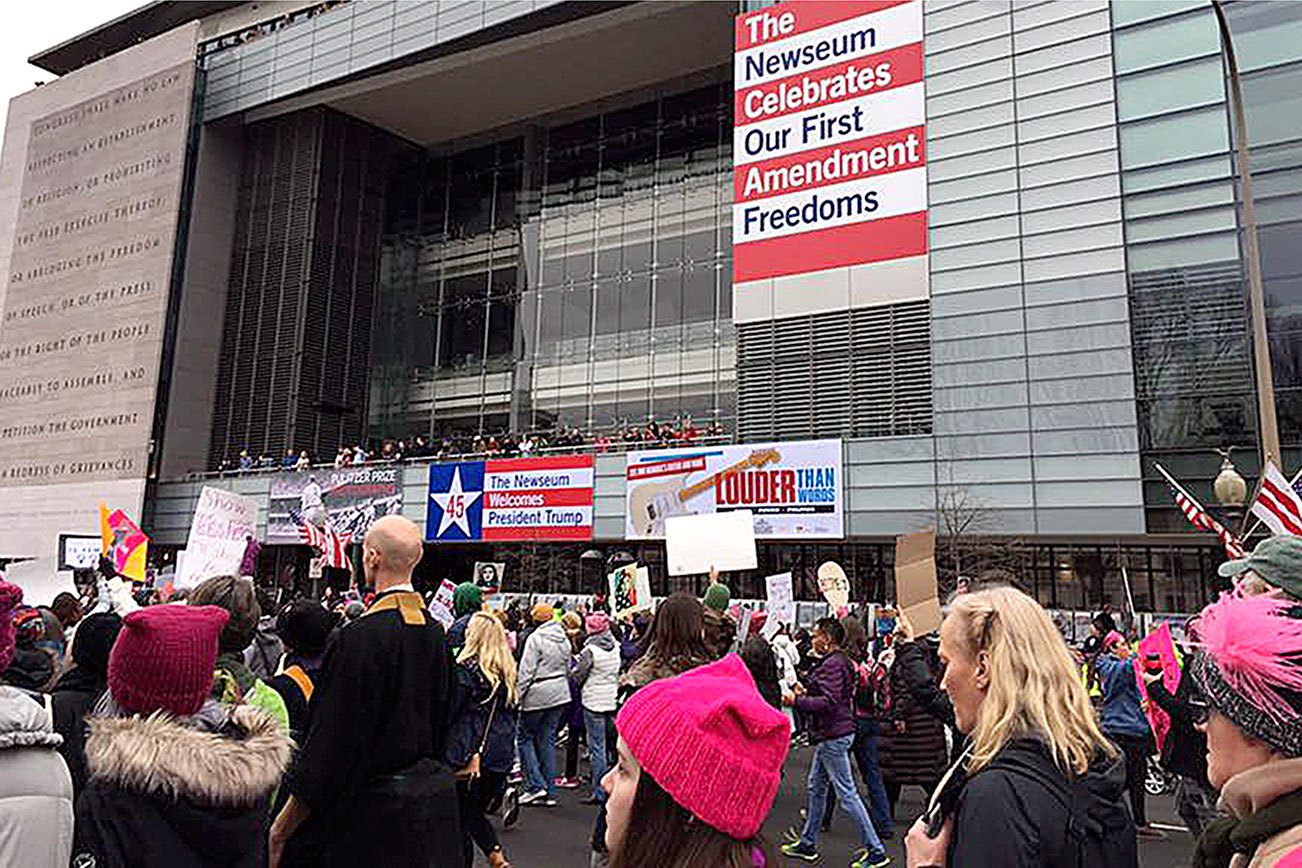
point(558, 837)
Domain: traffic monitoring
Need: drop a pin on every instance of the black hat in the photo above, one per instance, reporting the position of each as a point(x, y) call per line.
point(94, 640)
point(304, 626)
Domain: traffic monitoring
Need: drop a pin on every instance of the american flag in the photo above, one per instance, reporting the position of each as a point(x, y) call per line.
point(1198, 517)
point(331, 544)
point(1277, 504)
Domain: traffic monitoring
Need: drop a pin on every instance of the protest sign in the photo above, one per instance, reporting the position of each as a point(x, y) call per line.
point(781, 603)
point(1158, 642)
point(791, 489)
point(123, 543)
point(745, 615)
point(722, 540)
point(348, 500)
point(916, 592)
point(489, 575)
point(219, 532)
point(77, 551)
point(441, 606)
point(835, 586)
point(630, 590)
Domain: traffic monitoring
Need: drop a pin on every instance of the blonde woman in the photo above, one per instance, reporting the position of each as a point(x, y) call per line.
point(481, 736)
point(1039, 784)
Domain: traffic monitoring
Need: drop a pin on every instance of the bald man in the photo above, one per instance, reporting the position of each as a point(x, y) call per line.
point(367, 788)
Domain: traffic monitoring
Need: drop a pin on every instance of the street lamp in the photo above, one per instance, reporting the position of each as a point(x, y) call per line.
point(1230, 488)
point(1256, 294)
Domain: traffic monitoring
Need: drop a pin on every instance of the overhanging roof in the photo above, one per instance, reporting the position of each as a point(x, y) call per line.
point(123, 32)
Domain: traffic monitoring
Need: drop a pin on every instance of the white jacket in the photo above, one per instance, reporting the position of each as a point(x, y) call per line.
point(35, 787)
point(601, 686)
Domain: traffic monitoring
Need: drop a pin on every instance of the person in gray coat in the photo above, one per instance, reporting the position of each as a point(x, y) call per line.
point(544, 692)
point(35, 787)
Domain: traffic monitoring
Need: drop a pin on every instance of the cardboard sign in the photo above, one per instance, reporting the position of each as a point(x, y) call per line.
point(916, 592)
point(630, 590)
point(722, 540)
point(744, 616)
point(223, 521)
point(781, 603)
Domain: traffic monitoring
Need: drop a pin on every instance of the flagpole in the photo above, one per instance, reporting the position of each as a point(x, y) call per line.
point(1179, 488)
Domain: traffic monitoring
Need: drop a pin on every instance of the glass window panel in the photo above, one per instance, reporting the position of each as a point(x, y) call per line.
point(1265, 34)
point(607, 300)
point(1178, 137)
point(1157, 177)
point(1184, 251)
point(635, 304)
point(1180, 199)
point(669, 297)
point(1273, 105)
point(1187, 85)
point(1167, 41)
point(1134, 11)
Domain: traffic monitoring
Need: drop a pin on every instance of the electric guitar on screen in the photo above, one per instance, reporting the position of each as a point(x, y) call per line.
point(652, 502)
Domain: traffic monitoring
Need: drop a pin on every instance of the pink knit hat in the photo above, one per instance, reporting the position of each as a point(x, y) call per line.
point(11, 596)
point(164, 658)
point(712, 744)
point(597, 622)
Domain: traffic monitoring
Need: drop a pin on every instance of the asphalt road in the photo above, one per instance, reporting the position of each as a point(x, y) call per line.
point(558, 837)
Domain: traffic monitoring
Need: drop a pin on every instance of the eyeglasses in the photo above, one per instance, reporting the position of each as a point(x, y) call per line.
point(1199, 710)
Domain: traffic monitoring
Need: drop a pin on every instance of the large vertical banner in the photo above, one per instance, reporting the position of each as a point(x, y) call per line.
point(91, 181)
point(829, 137)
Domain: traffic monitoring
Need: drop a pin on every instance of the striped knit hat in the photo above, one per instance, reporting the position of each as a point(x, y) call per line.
point(1250, 667)
point(711, 742)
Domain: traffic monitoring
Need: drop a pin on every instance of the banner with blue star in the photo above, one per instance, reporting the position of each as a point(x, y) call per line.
point(456, 502)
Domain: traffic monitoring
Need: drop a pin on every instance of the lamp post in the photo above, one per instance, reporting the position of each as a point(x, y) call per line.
point(1230, 488)
point(1256, 294)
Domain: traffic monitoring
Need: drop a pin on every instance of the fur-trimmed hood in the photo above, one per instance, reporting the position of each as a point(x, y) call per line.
point(159, 755)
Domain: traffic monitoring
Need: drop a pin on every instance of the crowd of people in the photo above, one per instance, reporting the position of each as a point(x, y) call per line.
point(682, 431)
point(203, 730)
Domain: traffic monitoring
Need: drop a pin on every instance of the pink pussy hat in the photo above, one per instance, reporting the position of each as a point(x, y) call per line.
point(711, 742)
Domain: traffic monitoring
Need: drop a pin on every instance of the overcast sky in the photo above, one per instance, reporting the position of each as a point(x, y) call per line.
point(32, 27)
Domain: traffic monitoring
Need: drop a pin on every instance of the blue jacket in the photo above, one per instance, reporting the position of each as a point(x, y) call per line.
point(470, 710)
point(829, 701)
point(1122, 714)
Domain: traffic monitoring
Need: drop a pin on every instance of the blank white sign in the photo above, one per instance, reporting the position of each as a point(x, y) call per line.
point(723, 540)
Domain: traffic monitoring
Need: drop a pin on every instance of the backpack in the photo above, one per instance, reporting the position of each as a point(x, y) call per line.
point(872, 694)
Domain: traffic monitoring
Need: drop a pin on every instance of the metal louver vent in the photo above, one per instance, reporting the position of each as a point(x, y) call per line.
point(860, 373)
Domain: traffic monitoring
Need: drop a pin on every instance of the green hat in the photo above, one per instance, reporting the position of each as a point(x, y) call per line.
point(467, 598)
point(1277, 560)
point(717, 596)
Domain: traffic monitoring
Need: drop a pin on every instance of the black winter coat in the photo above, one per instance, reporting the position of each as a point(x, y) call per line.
point(162, 794)
point(911, 743)
point(73, 697)
point(1042, 819)
point(1185, 749)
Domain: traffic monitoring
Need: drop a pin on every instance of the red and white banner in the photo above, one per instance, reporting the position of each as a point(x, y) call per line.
point(829, 137)
point(1278, 504)
point(538, 498)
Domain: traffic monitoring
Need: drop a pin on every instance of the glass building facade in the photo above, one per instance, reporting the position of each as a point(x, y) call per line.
point(575, 275)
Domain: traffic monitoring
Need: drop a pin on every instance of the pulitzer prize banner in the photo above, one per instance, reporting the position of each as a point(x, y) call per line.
point(349, 500)
point(793, 489)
